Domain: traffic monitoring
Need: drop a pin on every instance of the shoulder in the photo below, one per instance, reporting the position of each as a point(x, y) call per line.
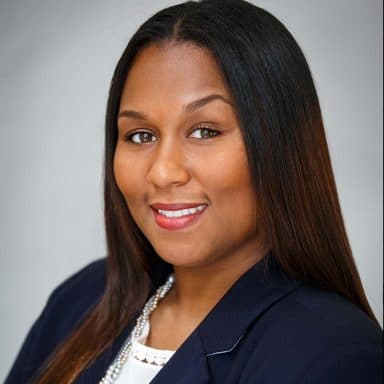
point(83, 286)
point(66, 307)
point(70, 301)
point(316, 336)
point(326, 313)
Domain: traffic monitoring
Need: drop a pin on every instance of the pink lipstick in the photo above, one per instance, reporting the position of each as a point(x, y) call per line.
point(177, 215)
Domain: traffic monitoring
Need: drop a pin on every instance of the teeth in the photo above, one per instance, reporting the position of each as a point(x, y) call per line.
point(181, 212)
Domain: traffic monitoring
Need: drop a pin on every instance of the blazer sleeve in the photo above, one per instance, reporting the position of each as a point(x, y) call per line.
point(64, 310)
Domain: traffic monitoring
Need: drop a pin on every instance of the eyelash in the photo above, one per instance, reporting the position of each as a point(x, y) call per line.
point(210, 131)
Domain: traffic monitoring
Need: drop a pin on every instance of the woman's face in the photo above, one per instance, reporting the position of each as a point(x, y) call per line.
point(180, 160)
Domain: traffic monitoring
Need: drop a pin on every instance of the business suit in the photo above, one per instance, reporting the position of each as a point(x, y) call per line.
point(267, 329)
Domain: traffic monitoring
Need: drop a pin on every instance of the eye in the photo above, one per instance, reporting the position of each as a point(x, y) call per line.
point(204, 133)
point(141, 137)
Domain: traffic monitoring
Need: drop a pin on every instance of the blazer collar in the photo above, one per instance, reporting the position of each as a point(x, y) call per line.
point(254, 292)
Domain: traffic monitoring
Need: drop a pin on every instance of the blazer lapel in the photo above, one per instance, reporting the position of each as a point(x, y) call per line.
point(220, 332)
point(253, 294)
point(187, 366)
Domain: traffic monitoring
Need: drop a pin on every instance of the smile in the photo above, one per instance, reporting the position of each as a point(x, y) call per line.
point(175, 219)
point(182, 212)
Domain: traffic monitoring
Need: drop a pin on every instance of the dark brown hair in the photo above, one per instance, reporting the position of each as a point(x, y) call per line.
point(279, 114)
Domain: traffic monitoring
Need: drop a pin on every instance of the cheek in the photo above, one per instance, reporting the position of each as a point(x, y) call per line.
point(120, 170)
point(228, 176)
point(127, 175)
point(231, 191)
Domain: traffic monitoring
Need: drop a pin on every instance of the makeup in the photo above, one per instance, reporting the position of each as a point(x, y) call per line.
point(177, 216)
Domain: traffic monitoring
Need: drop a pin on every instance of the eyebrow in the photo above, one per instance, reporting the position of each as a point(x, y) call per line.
point(194, 105)
point(134, 115)
point(189, 108)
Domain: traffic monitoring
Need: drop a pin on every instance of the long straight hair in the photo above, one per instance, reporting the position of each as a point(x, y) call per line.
point(278, 110)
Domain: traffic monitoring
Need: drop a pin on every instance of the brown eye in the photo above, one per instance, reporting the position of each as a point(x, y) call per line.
point(142, 137)
point(204, 133)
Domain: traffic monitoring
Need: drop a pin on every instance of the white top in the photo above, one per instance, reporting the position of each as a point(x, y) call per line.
point(143, 362)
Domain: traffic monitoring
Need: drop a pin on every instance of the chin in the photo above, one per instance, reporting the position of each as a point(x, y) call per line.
point(184, 260)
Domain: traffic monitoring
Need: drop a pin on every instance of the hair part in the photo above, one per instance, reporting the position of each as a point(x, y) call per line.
point(278, 110)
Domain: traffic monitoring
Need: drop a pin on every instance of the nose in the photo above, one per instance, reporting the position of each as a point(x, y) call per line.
point(168, 166)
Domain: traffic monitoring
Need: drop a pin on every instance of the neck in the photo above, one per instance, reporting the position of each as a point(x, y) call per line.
point(197, 289)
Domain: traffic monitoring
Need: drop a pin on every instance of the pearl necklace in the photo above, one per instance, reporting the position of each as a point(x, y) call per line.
point(115, 368)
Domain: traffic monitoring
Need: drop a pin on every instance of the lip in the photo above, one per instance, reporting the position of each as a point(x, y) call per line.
point(175, 223)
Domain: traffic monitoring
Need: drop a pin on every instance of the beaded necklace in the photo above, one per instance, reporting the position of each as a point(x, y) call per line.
point(115, 368)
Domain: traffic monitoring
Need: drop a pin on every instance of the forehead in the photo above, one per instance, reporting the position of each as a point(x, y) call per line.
point(174, 72)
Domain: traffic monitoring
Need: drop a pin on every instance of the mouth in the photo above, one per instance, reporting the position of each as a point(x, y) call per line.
point(177, 216)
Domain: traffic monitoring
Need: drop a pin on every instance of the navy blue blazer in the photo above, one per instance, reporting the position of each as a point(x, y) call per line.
point(267, 329)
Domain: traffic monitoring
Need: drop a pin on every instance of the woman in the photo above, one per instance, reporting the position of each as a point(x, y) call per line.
point(228, 260)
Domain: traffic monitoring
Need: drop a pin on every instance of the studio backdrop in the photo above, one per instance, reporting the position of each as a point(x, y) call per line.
point(57, 59)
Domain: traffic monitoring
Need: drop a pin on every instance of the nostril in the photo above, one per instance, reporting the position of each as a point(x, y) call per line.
point(167, 172)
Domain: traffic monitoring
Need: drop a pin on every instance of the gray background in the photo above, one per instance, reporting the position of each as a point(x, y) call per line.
point(56, 62)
